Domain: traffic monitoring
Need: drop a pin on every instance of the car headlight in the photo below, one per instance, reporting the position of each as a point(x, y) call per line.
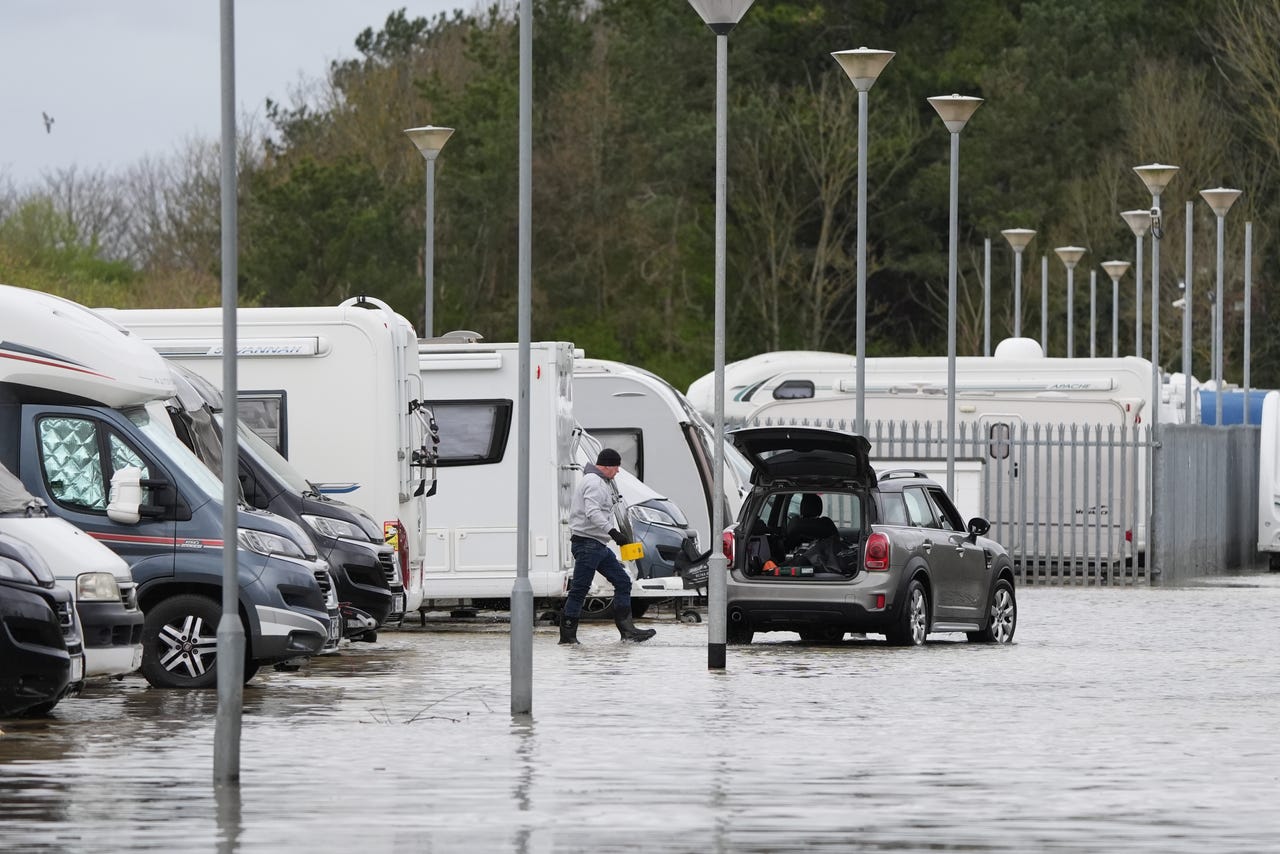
point(14, 571)
point(97, 587)
point(267, 544)
point(654, 516)
point(327, 526)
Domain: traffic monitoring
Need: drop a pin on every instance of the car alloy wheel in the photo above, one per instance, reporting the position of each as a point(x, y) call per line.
point(180, 643)
point(913, 623)
point(1003, 617)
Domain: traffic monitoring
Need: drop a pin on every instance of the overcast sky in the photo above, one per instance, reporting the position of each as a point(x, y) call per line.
point(126, 78)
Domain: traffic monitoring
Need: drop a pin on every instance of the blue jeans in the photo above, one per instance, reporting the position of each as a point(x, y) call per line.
point(589, 557)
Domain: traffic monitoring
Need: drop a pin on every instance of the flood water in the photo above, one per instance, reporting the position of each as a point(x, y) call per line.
point(1140, 719)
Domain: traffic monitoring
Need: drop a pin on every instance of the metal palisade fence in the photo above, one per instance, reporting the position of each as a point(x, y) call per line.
point(1071, 502)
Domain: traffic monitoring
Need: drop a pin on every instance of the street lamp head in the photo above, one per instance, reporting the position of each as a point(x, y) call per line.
point(1018, 237)
point(429, 139)
point(1116, 269)
point(1070, 255)
point(1220, 199)
point(955, 110)
point(721, 15)
point(1139, 221)
point(863, 65)
point(1156, 176)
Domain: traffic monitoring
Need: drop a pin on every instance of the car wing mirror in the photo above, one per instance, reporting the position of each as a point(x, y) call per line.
point(978, 527)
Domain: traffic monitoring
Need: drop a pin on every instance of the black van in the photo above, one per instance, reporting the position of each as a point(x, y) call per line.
point(364, 567)
point(41, 655)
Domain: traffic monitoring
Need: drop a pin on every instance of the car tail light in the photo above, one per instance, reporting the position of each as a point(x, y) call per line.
point(393, 533)
point(875, 557)
point(726, 543)
point(1128, 536)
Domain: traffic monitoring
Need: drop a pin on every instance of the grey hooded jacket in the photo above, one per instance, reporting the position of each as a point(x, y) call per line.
point(591, 512)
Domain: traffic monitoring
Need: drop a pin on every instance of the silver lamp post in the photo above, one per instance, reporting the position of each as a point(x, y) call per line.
point(721, 16)
point(1139, 223)
point(1116, 270)
point(429, 140)
point(1093, 313)
point(1220, 200)
point(955, 112)
point(863, 67)
point(1018, 239)
point(1156, 176)
point(1044, 304)
point(1248, 307)
point(1070, 256)
point(1188, 282)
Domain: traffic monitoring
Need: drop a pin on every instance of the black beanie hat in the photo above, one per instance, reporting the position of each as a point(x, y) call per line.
point(609, 457)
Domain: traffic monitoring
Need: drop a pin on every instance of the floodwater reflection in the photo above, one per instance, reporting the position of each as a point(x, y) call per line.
point(1123, 719)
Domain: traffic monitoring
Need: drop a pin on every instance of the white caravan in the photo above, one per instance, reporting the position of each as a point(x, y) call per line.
point(1060, 441)
point(472, 388)
point(335, 390)
point(660, 437)
point(1019, 367)
point(1269, 480)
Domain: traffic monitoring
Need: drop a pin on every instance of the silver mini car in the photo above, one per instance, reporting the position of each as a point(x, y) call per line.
point(823, 547)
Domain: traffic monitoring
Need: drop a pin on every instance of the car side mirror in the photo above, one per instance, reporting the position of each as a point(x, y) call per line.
point(978, 527)
point(124, 503)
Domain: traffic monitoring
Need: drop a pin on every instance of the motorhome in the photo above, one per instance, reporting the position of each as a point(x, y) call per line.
point(336, 391)
point(75, 429)
point(471, 388)
point(762, 384)
point(99, 581)
point(364, 568)
point(661, 438)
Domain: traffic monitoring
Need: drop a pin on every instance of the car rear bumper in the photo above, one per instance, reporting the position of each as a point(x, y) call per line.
point(783, 605)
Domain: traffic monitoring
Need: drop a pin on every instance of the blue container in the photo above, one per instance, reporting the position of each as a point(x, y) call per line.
point(1232, 406)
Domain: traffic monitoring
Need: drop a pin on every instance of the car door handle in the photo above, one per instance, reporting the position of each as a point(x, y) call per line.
point(927, 545)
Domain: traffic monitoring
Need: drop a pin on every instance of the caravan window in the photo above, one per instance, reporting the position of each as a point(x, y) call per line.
point(266, 413)
point(794, 390)
point(628, 443)
point(472, 432)
point(998, 436)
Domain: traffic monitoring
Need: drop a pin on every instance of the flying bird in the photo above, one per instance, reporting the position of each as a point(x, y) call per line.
point(48, 122)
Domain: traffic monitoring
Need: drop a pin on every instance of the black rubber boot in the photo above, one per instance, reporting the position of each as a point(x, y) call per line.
point(568, 629)
point(628, 629)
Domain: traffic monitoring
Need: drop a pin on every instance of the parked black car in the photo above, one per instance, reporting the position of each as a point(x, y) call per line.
point(822, 547)
point(41, 654)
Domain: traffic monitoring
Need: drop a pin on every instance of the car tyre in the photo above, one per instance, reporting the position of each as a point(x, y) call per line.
point(1002, 617)
point(180, 644)
point(739, 633)
point(912, 625)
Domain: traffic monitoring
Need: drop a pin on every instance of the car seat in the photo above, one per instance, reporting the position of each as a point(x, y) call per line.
point(810, 524)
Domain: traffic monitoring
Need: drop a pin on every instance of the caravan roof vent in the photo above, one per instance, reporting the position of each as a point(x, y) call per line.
point(1019, 348)
point(463, 335)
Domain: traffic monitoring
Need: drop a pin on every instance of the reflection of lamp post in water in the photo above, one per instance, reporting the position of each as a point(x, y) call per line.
point(1116, 270)
point(955, 111)
point(1018, 239)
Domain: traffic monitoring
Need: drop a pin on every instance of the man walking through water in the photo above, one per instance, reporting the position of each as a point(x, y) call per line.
point(591, 527)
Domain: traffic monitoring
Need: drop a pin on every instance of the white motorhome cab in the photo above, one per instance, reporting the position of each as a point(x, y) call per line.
point(335, 390)
point(105, 597)
point(661, 438)
point(472, 390)
point(75, 429)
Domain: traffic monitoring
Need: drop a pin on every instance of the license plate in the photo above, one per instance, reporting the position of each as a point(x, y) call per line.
point(77, 668)
point(397, 603)
point(335, 628)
